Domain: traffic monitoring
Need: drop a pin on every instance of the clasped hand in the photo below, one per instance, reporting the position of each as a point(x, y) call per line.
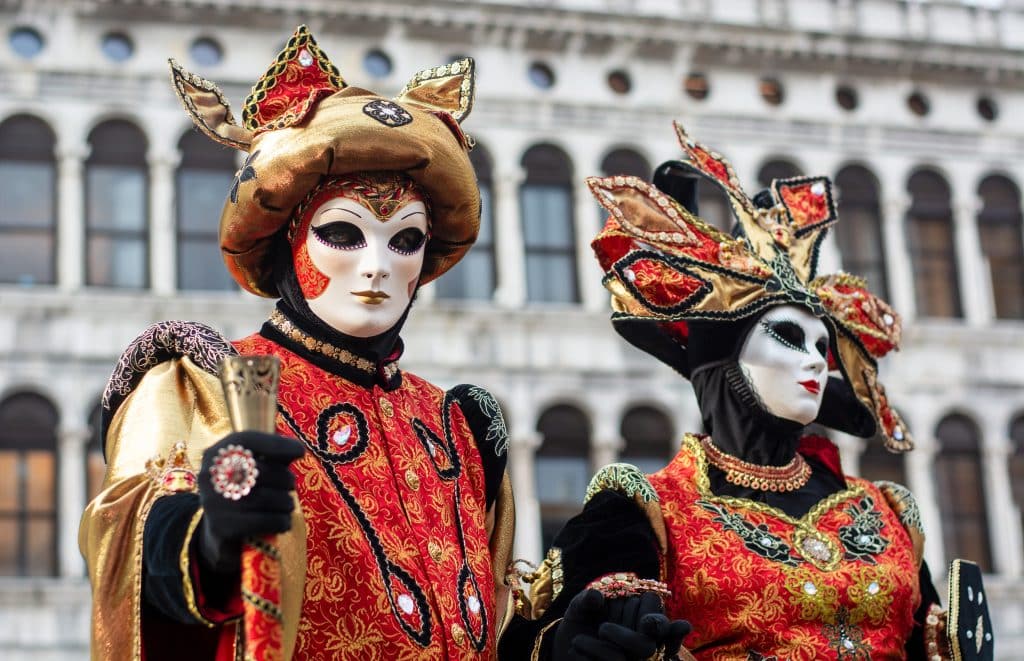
point(619, 629)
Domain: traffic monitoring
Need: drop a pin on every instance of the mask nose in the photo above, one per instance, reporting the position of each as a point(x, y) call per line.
point(375, 267)
point(814, 362)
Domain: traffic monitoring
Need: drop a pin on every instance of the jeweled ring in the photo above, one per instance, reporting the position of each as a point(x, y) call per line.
point(627, 584)
point(234, 472)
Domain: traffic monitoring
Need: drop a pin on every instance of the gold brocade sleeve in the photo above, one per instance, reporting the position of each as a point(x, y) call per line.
point(501, 533)
point(175, 401)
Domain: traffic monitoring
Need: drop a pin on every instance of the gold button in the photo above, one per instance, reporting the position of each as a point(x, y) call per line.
point(412, 480)
point(435, 550)
point(386, 407)
point(458, 634)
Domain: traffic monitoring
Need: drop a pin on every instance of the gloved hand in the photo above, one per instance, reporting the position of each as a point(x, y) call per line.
point(620, 629)
point(266, 509)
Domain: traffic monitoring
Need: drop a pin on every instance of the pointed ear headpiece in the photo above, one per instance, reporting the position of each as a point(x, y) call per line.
point(664, 264)
point(302, 124)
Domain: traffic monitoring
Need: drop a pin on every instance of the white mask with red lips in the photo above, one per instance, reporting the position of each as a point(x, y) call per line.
point(784, 360)
point(371, 266)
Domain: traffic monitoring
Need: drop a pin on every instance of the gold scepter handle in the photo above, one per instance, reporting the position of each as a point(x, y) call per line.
point(250, 388)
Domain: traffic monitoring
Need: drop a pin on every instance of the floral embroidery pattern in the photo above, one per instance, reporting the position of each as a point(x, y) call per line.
point(847, 640)
point(862, 539)
point(160, 342)
point(497, 432)
point(816, 599)
point(756, 538)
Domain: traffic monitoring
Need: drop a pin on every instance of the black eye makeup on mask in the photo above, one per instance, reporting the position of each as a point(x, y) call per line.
point(408, 241)
point(340, 235)
point(788, 333)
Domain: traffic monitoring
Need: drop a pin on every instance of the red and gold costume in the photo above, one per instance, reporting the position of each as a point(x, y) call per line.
point(404, 512)
point(766, 547)
point(843, 577)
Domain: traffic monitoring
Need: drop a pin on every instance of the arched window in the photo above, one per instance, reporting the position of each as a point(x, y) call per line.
point(116, 207)
point(95, 465)
point(961, 494)
point(203, 179)
point(28, 490)
point(776, 169)
point(562, 467)
point(1017, 462)
point(549, 243)
point(931, 244)
point(28, 207)
point(648, 437)
point(999, 227)
point(626, 161)
point(859, 230)
point(475, 276)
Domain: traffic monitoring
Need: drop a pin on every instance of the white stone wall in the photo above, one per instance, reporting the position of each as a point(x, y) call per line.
point(62, 340)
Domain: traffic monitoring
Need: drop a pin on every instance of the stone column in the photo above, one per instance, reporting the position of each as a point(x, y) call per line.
point(898, 264)
point(974, 279)
point(70, 498)
point(589, 217)
point(1003, 516)
point(508, 235)
point(528, 544)
point(606, 443)
point(604, 451)
point(70, 217)
point(163, 244)
point(921, 478)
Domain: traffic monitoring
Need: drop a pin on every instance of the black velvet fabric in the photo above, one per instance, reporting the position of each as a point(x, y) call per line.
point(611, 534)
point(162, 581)
point(489, 431)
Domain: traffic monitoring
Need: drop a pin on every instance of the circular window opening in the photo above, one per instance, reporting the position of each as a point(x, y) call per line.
point(206, 51)
point(117, 46)
point(918, 104)
point(26, 42)
point(846, 97)
point(541, 75)
point(771, 91)
point(377, 64)
point(696, 86)
point(988, 109)
point(619, 82)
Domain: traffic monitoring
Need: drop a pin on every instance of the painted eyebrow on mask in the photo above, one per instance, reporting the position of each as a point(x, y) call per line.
point(412, 213)
point(322, 211)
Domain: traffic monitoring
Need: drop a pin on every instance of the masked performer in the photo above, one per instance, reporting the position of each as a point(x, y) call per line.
point(763, 544)
point(346, 203)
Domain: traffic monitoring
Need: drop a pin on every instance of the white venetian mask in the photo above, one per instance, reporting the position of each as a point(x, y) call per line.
point(784, 360)
point(372, 266)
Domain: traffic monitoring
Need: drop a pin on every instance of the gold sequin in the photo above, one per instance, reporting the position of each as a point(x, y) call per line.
point(435, 550)
point(458, 634)
point(412, 480)
point(386, 408)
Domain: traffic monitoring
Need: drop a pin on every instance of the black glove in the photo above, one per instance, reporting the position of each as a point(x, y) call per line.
point(621, 629)
point(266, 509)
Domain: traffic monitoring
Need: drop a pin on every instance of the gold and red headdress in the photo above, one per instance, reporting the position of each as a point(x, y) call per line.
point(302, 124)
point(664, 264)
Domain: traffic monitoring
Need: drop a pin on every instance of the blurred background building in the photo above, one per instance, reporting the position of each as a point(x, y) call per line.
point(109, 203)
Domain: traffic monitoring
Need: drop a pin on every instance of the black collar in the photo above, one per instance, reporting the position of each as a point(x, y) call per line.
point(344, 359)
